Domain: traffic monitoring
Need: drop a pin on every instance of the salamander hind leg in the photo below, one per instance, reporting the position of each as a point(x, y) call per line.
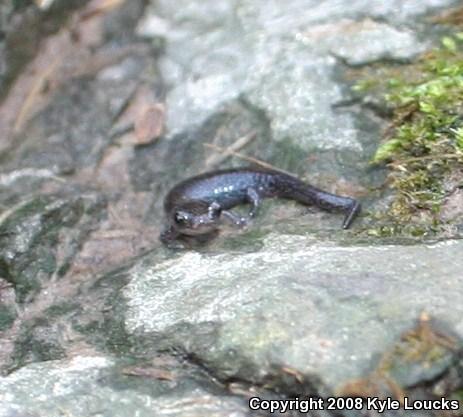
point(254, 199)
point(235, 219)
point(214, 210)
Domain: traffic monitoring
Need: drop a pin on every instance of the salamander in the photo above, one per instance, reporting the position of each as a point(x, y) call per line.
point(198, 205)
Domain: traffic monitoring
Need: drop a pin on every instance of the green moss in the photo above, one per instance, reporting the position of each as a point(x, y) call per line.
point(423, 146)
point(60, 309)
point(458, 395)
point(36, 342)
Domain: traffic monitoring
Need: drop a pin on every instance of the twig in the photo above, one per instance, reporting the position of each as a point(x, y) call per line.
point(35, 90)
point(121, 130)
point(100, 7)
point(401, 118)
point(246, 158)
point(235, 147)
point(426, 157)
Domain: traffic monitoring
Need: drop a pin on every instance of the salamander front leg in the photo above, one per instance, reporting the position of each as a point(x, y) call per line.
point(169, 237)
point(234, 218)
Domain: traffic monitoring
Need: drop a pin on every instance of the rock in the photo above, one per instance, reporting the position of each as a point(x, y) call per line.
point(319, 308)
point(53, 139)
point(31, 232)
point(104, 387)
point(268, 58)
point(361, 43)
point(19, 45)
point(8, 306)
point(291, 307)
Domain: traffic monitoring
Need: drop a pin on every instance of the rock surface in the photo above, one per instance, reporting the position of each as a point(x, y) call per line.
point(282, 58)
point(320, 308)
point(94, 385)
point(93, 308)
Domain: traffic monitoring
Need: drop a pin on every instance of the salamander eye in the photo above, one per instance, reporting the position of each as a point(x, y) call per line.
point(181, 217)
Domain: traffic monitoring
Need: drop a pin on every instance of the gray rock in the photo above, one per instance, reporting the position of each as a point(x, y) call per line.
point(94, 386)
point(264, 51)
point(361, 43)
point(320, 308)
point(294, 306)
point(54, 141)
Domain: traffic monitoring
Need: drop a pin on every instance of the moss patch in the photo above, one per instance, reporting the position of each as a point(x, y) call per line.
point(423, 146)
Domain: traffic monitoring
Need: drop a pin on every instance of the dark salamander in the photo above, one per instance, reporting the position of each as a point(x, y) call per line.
point(197, 205)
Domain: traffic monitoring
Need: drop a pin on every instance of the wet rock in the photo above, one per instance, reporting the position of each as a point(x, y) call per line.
point(321, 309)
point(103, 387)
point(31, 233)
point(37, 341)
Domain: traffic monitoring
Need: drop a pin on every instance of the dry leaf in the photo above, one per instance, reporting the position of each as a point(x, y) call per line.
point(150, 125)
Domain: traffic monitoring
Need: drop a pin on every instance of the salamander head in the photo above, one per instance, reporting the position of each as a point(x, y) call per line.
point(195, 218)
